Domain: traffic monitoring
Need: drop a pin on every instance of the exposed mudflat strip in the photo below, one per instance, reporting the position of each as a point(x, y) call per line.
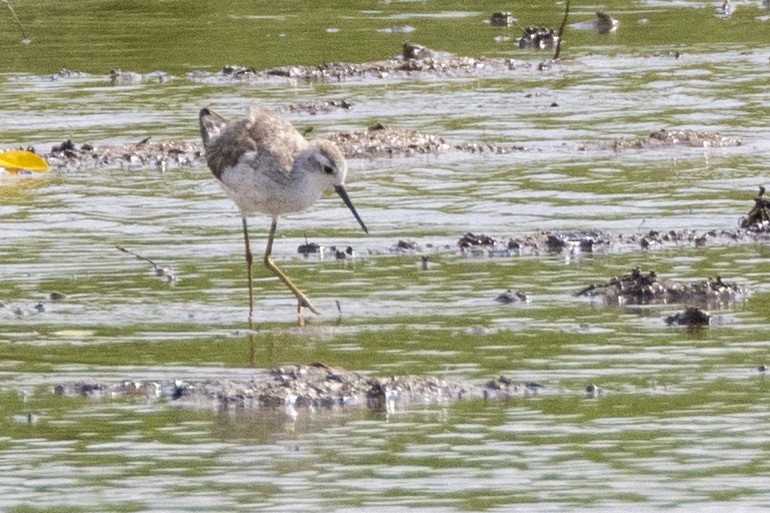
point(374, 142)
point(316, 386)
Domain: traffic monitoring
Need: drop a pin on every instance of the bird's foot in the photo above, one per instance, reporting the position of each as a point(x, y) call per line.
point(303, 302)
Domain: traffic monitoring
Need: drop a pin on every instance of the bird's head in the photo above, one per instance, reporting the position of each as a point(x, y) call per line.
point(324, 163)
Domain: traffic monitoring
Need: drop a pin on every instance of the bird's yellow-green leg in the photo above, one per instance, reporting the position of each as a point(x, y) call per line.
point(304, 302)
point(249, 264)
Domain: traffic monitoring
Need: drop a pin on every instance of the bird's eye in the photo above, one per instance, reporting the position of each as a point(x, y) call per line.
point(328, 170)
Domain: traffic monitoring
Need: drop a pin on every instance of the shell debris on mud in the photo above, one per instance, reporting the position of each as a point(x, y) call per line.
point(376, 141)
point(668, 138)
point(637, 287)
point(316, 386)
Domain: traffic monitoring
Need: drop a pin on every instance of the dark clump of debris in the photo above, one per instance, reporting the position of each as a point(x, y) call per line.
point(501, 19)
point(558, 242)
point(511, 296)
point(343, 253)
point(310, 248)
point(605, 23)
point(238, 70)
point(470, 239)
point(640, 288)
point(594, 392)
point(538, 38)
point(407, 246)
point(692, 317)
point(414, 52)
point(758, 219)
point(504, 388)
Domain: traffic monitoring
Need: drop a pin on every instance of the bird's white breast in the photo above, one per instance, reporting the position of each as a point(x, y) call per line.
point(264, 189)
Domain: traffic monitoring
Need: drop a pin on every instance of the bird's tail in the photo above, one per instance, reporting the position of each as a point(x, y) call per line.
point(211, 125)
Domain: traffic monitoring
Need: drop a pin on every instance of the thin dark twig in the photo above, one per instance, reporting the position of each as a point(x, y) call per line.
point(16, 19)
point(140, 257)
point(561, 30)
point(160, 271)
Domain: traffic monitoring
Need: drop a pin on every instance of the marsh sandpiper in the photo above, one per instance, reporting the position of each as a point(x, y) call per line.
point(266, 166)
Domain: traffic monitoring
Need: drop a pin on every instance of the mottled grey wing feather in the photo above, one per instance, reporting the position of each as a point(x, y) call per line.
point(269, 139)
point(276, 140)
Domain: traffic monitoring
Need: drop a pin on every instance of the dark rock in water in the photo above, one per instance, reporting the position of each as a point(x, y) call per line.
point(412, 51)
point(309, 248)
point(594, 392)
point(605, 23)
point(758, 219)
point(510, 296)
point(691, 317)
point(343, 253)
point(501, 19)
point(555, 243)
point(67, 149)
point(639, 288)
point(406, 246)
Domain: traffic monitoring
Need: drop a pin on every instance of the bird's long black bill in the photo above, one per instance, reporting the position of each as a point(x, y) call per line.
point(344, 195)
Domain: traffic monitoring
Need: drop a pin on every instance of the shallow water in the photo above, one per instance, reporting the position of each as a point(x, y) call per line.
point(682, 422)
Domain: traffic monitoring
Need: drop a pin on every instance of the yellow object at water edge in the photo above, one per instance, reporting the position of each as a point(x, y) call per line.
point(22, 160)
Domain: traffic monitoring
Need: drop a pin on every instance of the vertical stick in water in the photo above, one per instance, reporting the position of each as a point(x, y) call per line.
point(561, 30)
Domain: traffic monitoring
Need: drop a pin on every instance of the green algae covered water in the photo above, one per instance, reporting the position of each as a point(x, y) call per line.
point(681, 424)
